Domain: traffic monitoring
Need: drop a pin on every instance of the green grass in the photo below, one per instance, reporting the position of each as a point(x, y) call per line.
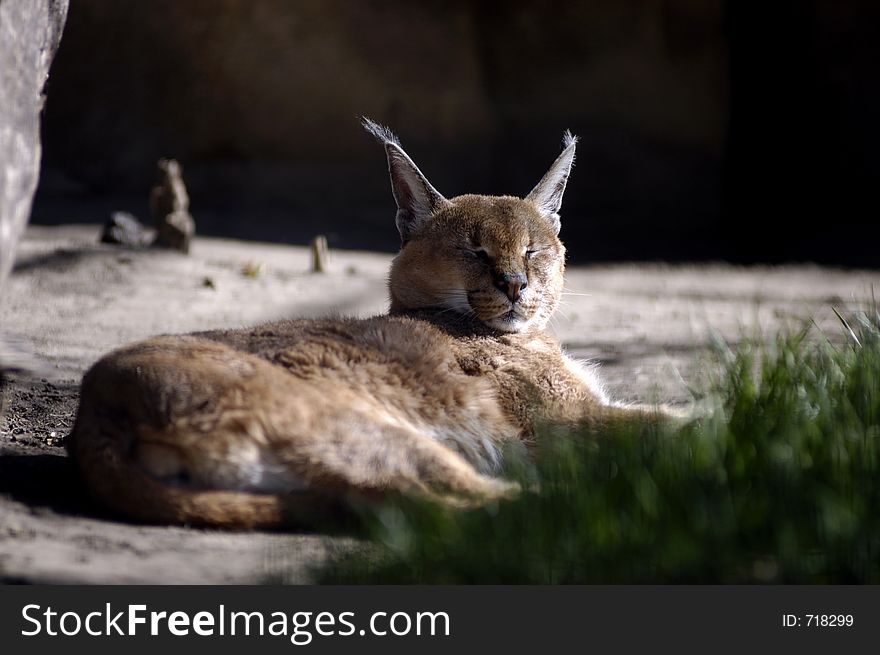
point(779, 483)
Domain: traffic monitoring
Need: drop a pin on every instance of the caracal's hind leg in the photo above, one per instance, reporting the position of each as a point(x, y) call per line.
point(183, 430)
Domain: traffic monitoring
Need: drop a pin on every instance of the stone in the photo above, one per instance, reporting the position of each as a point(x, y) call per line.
point(125, 229)
point(176, 231)
point(169, 204)
point(319, 254)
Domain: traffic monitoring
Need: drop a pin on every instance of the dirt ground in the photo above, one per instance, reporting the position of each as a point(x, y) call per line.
point(70, 300)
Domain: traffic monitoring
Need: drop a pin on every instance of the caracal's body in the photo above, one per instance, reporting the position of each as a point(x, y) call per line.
point(275, 424)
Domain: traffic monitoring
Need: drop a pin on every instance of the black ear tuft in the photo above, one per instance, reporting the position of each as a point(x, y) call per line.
point(383, 134)
point(547, 195)
point(417, 200)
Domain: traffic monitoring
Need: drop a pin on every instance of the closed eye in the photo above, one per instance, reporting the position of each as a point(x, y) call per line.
point(531, 252)
point(477, 253)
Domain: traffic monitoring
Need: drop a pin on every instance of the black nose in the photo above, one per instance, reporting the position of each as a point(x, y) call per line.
point(511, 284)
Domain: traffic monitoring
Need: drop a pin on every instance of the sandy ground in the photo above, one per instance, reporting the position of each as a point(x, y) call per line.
point(71, 300)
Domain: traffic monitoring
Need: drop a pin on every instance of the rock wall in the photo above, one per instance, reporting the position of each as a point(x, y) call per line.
point(30, 31)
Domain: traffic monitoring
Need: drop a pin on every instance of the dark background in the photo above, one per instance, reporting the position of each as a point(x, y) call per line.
point(710, 129)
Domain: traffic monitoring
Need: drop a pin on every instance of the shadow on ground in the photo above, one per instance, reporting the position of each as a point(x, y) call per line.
point(45, 481)
point(34, 468)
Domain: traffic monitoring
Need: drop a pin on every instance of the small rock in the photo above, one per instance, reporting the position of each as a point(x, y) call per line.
point(169, 205)
point(176, 231)
point(125, 229)
point(319, 254)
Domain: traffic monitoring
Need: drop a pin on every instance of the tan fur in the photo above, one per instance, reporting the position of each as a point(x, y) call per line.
point(283, 423)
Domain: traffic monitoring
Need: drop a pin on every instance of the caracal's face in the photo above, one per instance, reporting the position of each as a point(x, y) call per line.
point(496, 259)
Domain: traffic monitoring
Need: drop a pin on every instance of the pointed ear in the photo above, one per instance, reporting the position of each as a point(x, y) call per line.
point(417, 200)
point(547, 195)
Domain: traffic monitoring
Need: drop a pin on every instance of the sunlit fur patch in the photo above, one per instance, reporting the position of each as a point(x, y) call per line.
point(509, 323)
point(493, 308)
point(588, 373)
